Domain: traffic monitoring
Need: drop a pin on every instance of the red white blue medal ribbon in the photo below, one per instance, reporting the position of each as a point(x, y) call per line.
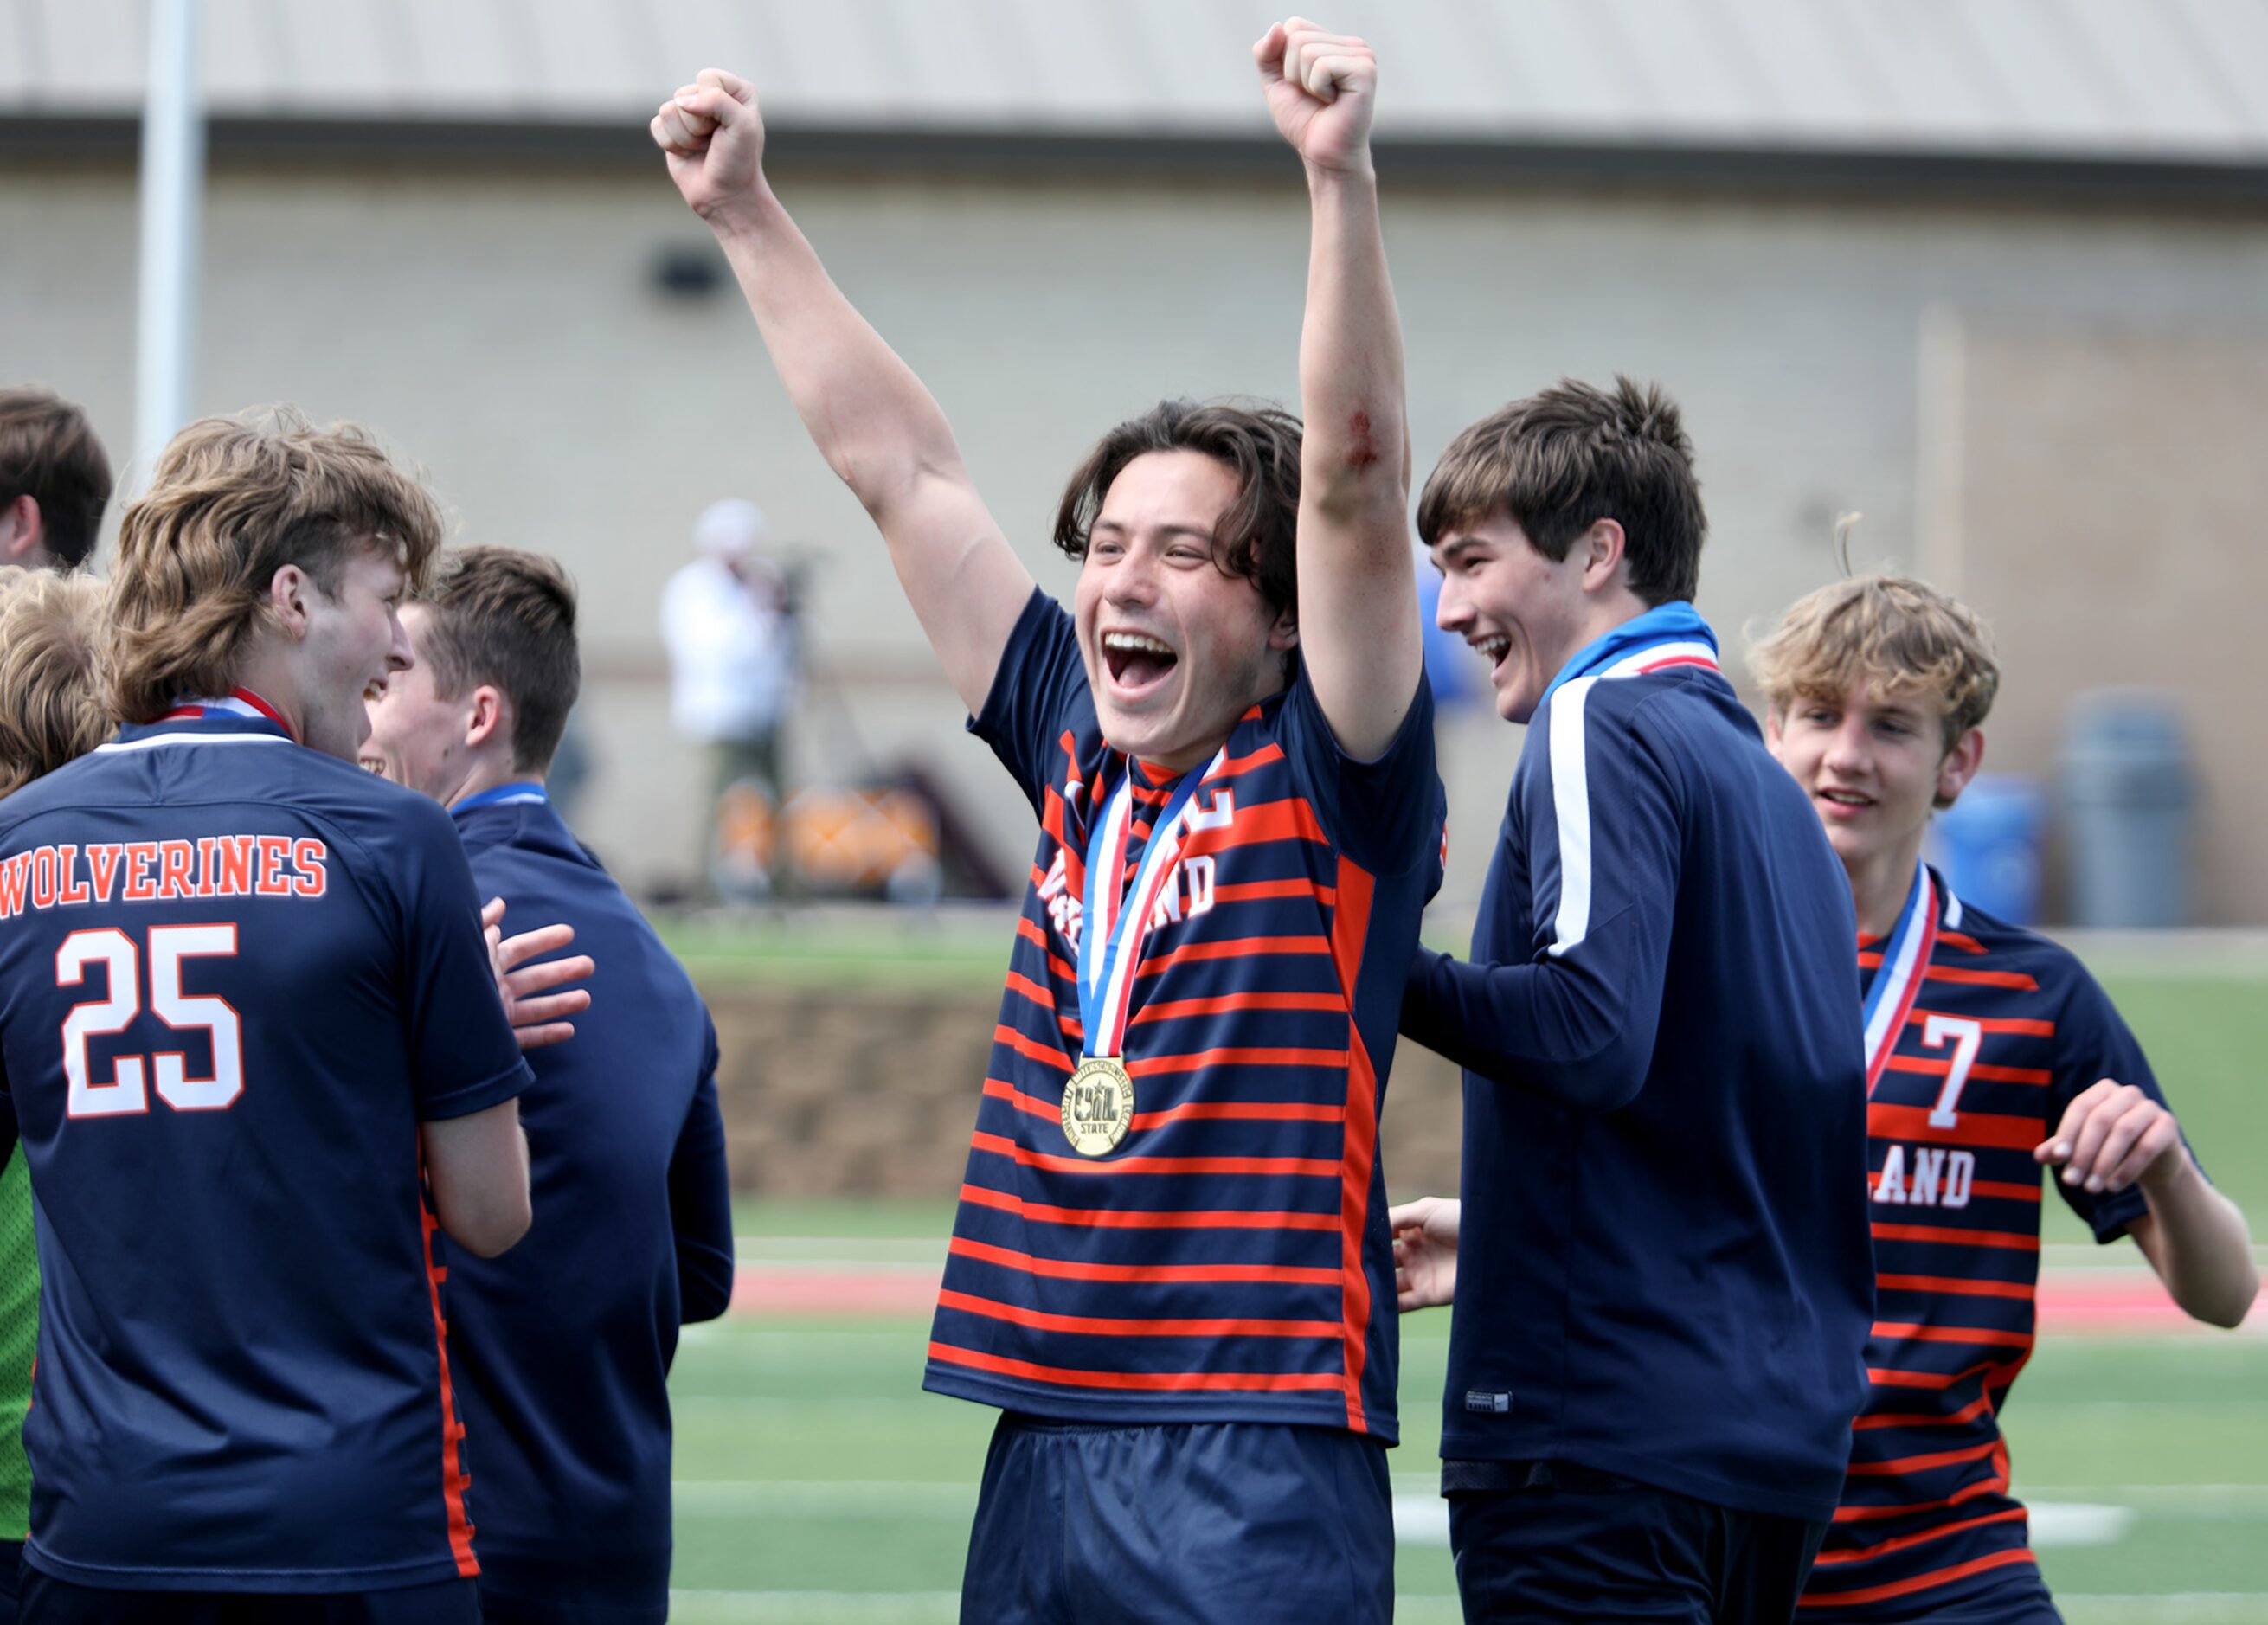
point(235, 703)
point(1116, 918)
point(1905, 961)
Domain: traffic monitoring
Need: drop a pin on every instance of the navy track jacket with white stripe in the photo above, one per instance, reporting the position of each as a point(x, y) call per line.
point(1664, 1272)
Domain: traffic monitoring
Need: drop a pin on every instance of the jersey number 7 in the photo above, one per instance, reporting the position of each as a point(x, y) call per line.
point(126, 1089)
point(1967, 1037)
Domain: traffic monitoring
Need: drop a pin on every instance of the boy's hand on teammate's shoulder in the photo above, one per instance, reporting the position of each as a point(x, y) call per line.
point(2113, 1134)
point(1425, 1252)
point(1322, 89)
point(537, 1015)
point(712, 134)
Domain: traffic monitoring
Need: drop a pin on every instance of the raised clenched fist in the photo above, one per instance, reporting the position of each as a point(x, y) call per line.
point(713, 135)
point(1321, 87)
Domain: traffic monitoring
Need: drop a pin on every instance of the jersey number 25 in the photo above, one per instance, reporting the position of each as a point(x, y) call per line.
point(126, 1089)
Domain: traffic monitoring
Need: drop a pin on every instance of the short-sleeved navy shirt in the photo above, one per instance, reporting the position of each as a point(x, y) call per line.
point(2007, 1030)
point(235, 976)
point(1230, 1260)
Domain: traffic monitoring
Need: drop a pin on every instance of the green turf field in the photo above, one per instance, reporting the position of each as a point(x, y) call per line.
point(817, 1483)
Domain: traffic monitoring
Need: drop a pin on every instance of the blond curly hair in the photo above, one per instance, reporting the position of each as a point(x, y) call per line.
point(1905, 636)
point(50, 672)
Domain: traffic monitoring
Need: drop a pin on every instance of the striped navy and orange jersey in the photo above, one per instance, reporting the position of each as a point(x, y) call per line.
point(236, 975)
point(1229, 1261)
point(2006, 1027)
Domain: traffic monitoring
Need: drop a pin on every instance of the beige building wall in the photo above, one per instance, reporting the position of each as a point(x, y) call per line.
point(501, 325)
point(2097, 491)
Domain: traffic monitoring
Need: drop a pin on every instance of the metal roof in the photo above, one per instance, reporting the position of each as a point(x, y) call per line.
point(2181, 81)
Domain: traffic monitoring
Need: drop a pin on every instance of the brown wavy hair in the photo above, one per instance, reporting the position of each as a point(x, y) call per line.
point(506, 617)
point(1258, 443)
point(1566, 457)
point(50, 668)
point(234, 500)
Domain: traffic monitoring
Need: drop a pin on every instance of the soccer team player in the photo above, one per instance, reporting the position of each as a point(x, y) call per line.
point(1170, 1268)
point(247, 1027)
point(1990, 1052)
point(51, 634)
point(634, 1236)
point(1665, 1283)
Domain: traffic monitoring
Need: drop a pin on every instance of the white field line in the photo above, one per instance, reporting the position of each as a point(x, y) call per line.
point(2080, 1523)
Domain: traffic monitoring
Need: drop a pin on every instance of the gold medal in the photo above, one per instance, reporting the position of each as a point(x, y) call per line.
point(1098, 1105)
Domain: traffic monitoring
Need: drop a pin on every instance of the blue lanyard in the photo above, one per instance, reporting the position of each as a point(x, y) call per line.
point(503, 796)
point(1676, 622)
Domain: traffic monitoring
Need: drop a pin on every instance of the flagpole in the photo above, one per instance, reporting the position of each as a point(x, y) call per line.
point(173, 181)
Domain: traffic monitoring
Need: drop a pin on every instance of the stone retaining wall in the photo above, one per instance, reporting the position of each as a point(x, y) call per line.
point(872, 1092)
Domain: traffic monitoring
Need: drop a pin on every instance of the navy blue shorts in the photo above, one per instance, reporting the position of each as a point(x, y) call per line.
point(11, 1560)
point(1570, 1546)
point(48, 1600)
point(1191, 1523)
